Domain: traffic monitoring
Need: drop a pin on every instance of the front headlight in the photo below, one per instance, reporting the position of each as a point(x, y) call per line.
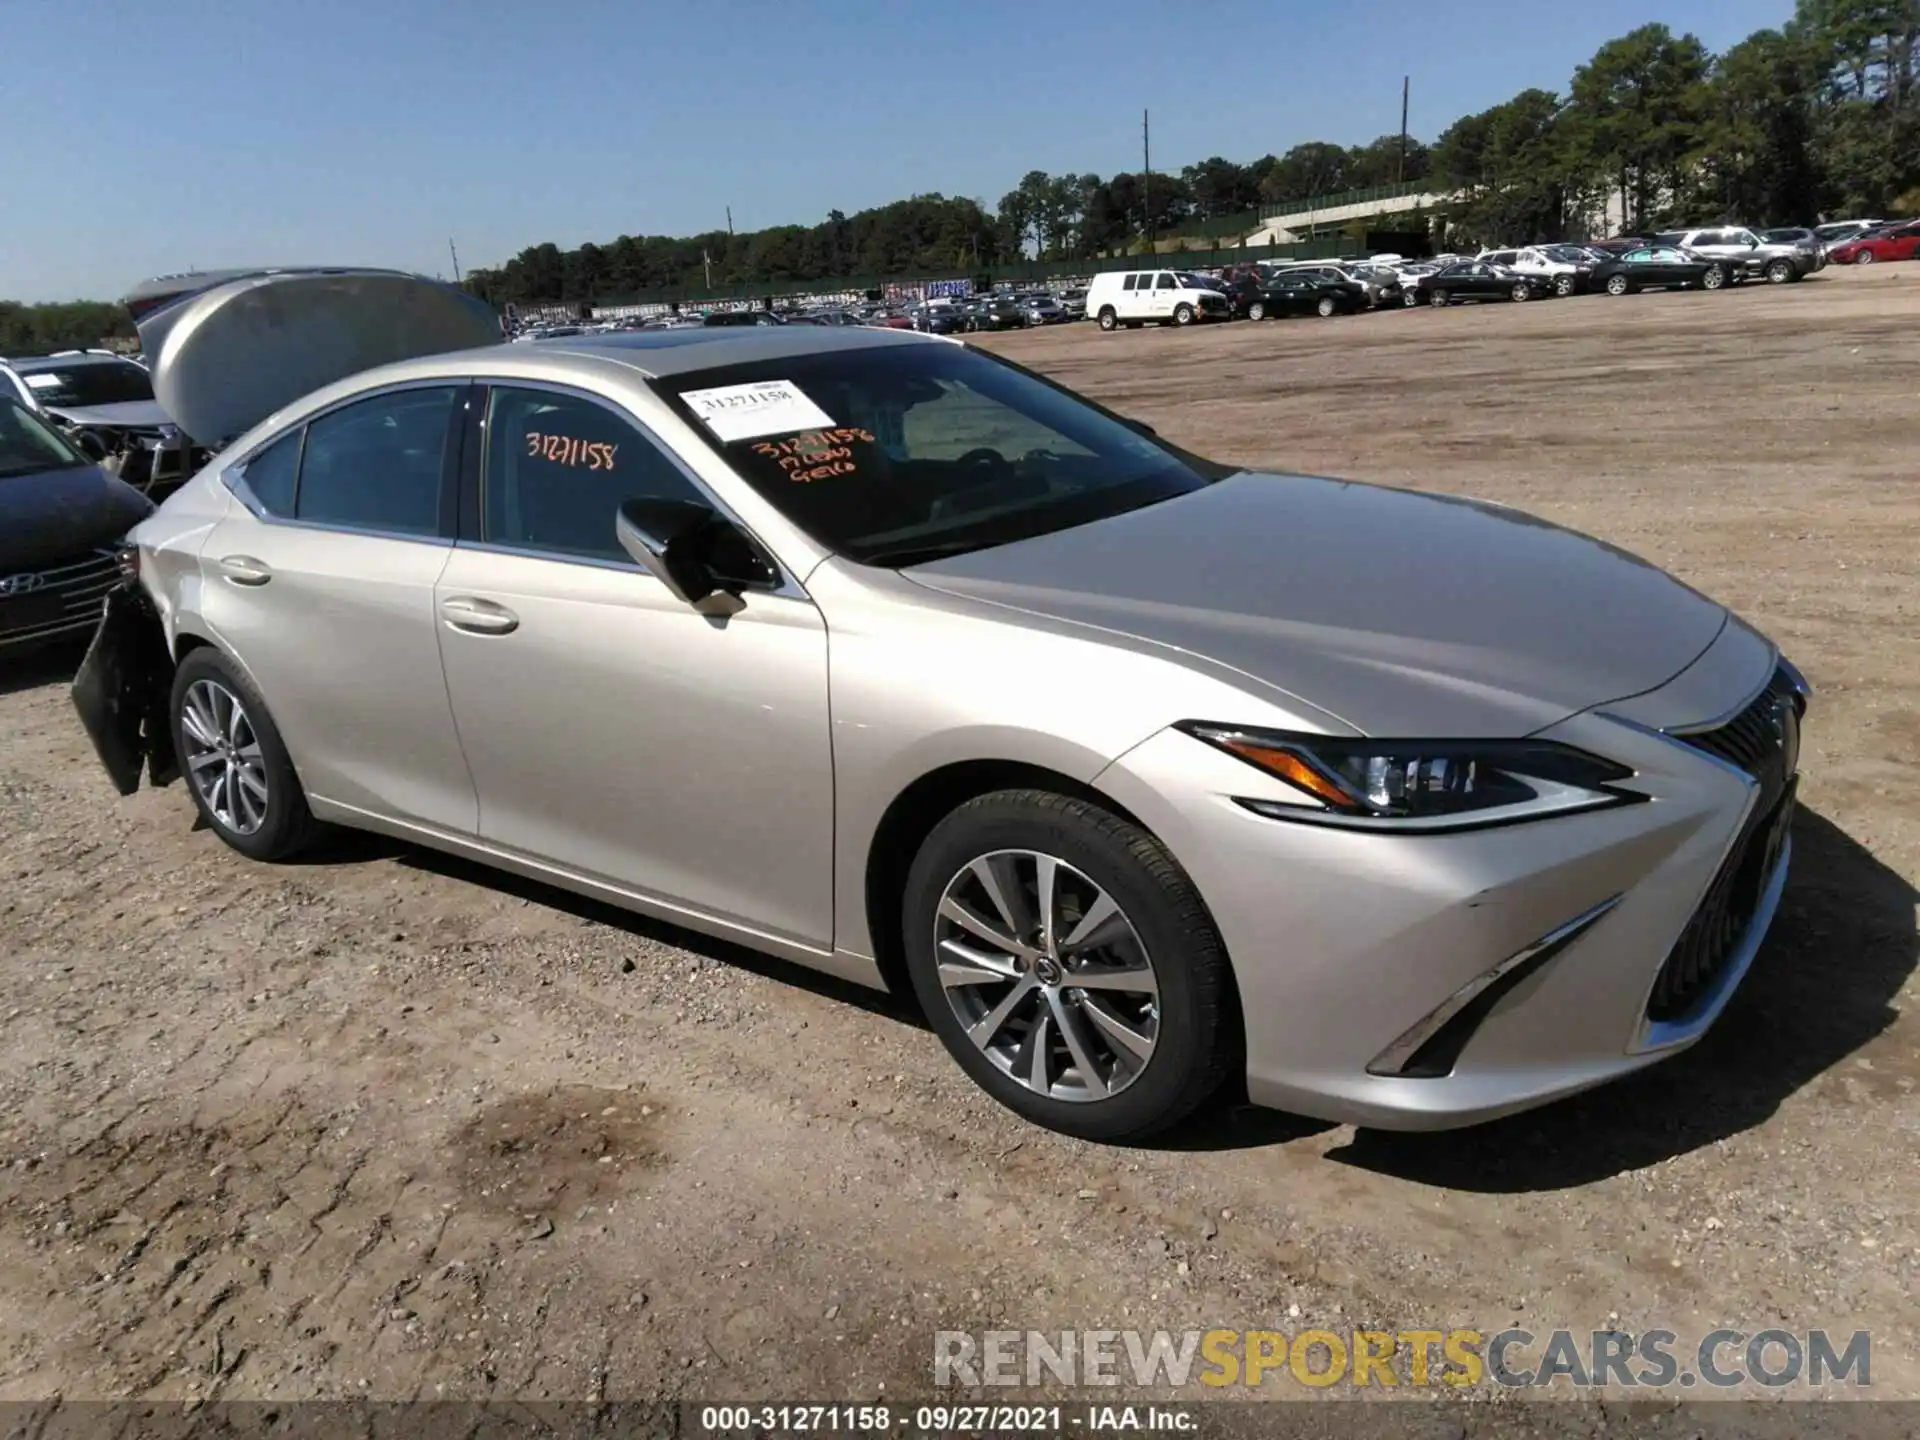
point(1409, 785)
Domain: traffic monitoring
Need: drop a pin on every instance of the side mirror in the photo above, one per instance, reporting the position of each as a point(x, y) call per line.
point(690, 549)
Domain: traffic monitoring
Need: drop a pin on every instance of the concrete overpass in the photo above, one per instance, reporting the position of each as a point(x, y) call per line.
point(1282, 225)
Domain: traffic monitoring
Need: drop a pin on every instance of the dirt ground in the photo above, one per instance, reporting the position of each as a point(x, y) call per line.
point(383, 1124)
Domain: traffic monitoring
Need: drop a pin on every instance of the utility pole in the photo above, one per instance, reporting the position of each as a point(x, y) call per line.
point(456, 260)
point(1146, 178)
point(729, 222)
point(706, 262)
point(1400, 174)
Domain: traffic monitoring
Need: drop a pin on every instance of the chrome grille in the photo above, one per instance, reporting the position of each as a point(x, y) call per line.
point(74, 589)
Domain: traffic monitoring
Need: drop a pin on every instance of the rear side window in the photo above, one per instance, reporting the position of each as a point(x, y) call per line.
point(558, 468)
point(270, 475)
point(1129, 282)
point(380, 463)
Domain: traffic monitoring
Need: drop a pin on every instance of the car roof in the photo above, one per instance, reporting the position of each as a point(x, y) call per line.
point(658, 354)
point(28, 364)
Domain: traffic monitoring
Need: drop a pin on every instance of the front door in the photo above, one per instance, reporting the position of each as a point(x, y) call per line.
point(611, 729)
point(321, 583)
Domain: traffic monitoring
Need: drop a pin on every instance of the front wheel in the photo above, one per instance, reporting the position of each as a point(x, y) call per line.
point(1865, 257)
point(1183, 314)
point(1256, 311)
point(1617, 285)
point(1326, 306)
point(1108, 320)
point(1410, 299)
point(1563, 286)
point(1779, 272)
point(1521, 292)
point(1714, 279)
point(1439, 299)
point(237, 768)
point(1067, 963)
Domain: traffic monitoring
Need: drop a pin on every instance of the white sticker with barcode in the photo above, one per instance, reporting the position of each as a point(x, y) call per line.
point(746, 412)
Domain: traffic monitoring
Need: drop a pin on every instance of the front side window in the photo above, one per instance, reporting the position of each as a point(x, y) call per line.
point(900, 454)
point(30, 446)
point(559, 466)
point(379, 463)
point(1165, 282)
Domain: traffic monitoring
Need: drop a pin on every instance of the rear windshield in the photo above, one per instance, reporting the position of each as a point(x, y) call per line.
point(97, 382)
point(30, 446)
point(897, 455)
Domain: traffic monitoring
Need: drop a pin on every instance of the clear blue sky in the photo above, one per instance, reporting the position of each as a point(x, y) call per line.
point(148, 136)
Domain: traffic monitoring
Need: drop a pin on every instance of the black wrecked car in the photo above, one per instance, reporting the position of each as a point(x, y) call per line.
point(61, 521)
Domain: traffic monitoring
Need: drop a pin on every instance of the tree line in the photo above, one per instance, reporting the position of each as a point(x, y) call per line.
point(1818, 118)
point(68, 325)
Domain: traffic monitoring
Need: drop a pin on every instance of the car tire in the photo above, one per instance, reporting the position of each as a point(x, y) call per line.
point(1410, 299)
point(1183, 314)
point(1714, 279)
point(1865, 257)
point(1162, 931)
point(1327, 306)
point(1521, 293)
point(1563, 286)
point(1779, 272)
point(1438, 300)
point(1618, 285)
point(230, 753)
point(1256, 311)
point(1108, 320)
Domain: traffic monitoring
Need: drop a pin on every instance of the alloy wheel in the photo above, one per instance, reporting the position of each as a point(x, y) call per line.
point(223, 758)
point(1617, 285)
point(1865, 257)
point(1047, 975)
point(1256, 311)
point(1714, 278)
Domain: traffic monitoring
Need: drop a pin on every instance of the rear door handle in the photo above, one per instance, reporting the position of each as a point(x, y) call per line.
point(245, 570)
point(477, 616)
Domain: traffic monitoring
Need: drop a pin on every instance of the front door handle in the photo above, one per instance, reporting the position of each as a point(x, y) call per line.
point(245, 570)
point(478, 617)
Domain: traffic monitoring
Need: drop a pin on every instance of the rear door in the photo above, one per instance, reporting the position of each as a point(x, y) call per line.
point(320, 581)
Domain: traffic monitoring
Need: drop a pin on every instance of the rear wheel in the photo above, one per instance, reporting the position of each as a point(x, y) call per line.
point(1714, 279)
point(1521, 292)
point(1108, 320)
point(237, 768)
point(1256, 311)
point(1326, 306)
point(1439, 299)
point(1564, 285)
point(1069, 966)
point(1618, 285)
point(1183, 314)
point(1865, 257)
point(1410, 299)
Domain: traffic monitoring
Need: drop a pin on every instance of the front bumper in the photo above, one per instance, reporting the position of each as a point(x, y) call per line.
point(1345, 945)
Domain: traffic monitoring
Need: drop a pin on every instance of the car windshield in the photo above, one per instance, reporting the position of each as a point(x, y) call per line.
point(91, 382)
point(897, 455)
point(30, 446)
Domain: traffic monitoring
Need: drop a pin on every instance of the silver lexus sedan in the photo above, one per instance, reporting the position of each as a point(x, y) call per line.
point(871, 650)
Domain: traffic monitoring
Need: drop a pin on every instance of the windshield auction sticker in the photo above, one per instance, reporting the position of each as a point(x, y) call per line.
point(746, 412)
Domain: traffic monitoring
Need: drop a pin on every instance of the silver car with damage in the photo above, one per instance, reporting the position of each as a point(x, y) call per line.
point(884, 655)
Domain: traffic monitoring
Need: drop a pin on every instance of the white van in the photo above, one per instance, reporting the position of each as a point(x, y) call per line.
point(1166, 297)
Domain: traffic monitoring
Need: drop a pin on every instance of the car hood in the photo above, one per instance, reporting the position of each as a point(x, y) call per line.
point(145, 414)
point(1403, 613)
point(60, 514)
point(227, 357)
